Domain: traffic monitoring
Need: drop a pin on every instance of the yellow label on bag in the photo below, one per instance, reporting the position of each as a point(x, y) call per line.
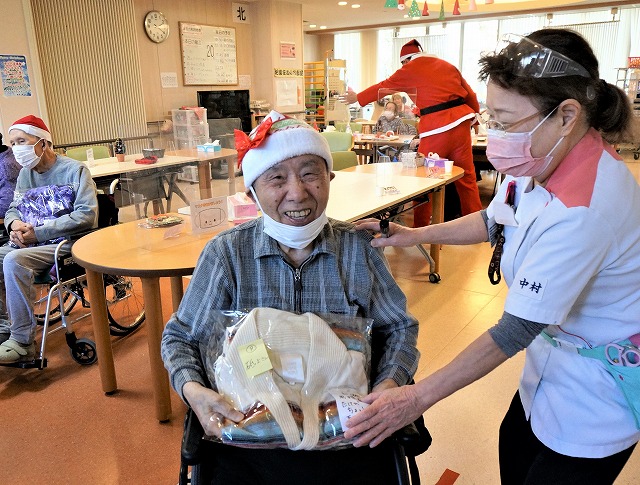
point(254, 357)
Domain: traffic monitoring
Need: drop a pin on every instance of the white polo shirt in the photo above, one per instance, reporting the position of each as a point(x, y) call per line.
point(573, 262)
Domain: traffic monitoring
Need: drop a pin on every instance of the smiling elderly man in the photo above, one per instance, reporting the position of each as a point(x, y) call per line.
point(296, 259)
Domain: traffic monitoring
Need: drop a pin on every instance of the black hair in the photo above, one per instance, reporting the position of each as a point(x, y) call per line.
point(607, 107)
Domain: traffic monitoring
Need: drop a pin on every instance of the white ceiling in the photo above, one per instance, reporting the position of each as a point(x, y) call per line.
point(372, 13)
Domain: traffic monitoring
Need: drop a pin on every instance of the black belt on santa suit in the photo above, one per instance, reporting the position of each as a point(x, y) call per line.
point(442, 106)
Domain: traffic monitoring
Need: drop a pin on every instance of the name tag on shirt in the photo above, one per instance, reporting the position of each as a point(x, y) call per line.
point(504, 214)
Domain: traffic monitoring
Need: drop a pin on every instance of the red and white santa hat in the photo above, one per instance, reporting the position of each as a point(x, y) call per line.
point(411, 48)
point(33, 126)
point(277, 138)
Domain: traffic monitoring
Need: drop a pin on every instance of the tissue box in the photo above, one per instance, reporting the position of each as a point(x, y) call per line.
point(241, 207)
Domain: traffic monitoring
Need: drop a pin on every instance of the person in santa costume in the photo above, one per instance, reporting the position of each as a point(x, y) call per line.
point(447, 107)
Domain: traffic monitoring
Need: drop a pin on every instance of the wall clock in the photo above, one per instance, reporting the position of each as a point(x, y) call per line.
point(156, 26)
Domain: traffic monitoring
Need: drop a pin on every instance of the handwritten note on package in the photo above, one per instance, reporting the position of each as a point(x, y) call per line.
point(207, 214)
point(348, 404)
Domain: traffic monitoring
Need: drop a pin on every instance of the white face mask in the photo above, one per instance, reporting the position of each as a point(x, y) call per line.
point(26, 156)
point(389, 115)
point(297, 237)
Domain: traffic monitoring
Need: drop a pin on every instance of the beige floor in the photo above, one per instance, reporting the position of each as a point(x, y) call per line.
point(59, 428)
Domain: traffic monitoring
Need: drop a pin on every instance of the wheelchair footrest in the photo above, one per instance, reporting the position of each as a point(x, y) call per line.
point(28, 364)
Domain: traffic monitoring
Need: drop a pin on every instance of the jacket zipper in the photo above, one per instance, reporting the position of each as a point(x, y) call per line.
point(297, 284)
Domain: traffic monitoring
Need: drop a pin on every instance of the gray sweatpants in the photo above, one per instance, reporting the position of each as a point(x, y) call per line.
point(17, 291)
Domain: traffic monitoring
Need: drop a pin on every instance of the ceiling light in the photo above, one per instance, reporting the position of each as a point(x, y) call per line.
point(355, 5)
point(342, 4)
point(323, 26)
point(313, 26)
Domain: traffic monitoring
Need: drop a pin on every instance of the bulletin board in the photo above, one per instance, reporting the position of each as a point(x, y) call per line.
point(208, 54)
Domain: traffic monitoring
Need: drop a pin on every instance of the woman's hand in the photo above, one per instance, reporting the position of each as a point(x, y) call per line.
point(392, 235)
point(210, 407)
point(390, 410)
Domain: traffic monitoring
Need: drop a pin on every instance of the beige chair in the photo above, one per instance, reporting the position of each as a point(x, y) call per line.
point(341, 144)
point(342, 126)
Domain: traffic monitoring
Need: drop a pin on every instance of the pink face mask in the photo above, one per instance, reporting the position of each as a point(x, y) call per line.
point(510, 153)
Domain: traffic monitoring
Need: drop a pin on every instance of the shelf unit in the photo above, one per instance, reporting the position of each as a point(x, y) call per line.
point(190, 127)
point(314, 92)
point(323, 81)
point(628, 80)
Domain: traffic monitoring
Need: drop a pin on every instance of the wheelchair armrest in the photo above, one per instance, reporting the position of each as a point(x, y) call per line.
point(191, 439)
point(74, 237)
point(414, 438)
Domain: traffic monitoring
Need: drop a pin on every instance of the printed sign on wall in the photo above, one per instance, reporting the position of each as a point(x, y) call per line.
point(14, 75)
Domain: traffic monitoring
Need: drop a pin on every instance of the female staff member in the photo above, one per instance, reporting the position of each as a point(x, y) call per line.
point(571, 232)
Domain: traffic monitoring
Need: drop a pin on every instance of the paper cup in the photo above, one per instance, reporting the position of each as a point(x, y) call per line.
point(448, 166)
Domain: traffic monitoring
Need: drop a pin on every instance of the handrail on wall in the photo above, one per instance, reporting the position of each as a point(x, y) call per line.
point(110, 142)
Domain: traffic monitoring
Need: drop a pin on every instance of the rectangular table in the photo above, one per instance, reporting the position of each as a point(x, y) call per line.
point(353, 196)
point(106, 167)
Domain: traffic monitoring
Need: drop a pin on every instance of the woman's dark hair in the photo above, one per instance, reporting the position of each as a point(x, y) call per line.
point(607, 107)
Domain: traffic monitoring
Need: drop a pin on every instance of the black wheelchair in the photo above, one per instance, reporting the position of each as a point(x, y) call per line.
point(199, 454)
point(59, 289)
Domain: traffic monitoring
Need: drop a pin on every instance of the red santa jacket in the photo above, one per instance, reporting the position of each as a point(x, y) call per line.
point(436, 81)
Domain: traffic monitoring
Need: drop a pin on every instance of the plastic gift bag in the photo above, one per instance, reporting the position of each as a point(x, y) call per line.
point(294, 377)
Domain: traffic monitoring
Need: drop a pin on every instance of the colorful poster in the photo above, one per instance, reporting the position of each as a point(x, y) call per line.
point(14, 75)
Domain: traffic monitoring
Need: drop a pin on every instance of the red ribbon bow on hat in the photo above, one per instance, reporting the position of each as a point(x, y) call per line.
point(244, 143)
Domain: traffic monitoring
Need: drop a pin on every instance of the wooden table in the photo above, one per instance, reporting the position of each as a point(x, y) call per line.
point(130, 250)
point(106, 167)
point(353, 196)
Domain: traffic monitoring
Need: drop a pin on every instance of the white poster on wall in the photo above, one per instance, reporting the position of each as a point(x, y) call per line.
point(169, 79)
point(286, 92)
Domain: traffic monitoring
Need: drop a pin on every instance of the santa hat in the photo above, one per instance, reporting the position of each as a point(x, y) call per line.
point(277, 138)
point(409, 49)
point(34, 126)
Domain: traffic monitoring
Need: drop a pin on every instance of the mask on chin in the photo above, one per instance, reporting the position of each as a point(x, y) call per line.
point(510, 153)
point(26, 156)
point(297, 237)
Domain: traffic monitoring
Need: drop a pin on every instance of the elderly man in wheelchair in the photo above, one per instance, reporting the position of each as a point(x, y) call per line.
point(290, 261)
point(55, 198)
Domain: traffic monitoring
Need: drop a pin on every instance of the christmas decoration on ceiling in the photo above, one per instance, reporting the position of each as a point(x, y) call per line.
point(414, 10)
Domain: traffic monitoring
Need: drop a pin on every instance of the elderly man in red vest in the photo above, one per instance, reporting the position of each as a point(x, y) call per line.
point(447, 107)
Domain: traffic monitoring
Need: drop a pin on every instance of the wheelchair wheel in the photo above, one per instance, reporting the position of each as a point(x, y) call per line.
point(40, 306)
point(84, 351)
point(125, 305)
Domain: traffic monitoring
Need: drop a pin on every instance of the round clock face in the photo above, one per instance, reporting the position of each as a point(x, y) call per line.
point(156, 26)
